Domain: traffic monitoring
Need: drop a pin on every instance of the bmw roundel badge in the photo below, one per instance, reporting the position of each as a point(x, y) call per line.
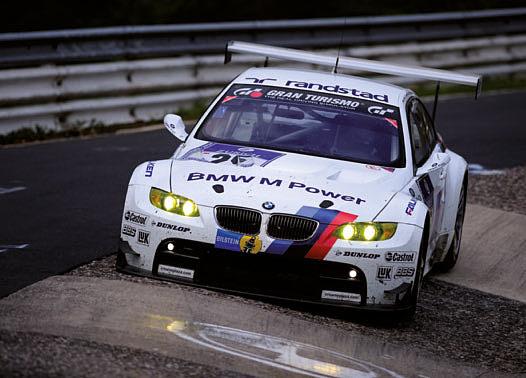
point(268, 205)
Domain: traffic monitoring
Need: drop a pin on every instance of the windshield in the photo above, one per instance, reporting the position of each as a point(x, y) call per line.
point(307, 122)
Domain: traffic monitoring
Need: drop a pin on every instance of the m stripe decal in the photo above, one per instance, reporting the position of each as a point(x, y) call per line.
point(326, 240)
point(329, 221)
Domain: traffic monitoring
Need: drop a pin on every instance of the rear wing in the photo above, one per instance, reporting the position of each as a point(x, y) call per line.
point(353, 63)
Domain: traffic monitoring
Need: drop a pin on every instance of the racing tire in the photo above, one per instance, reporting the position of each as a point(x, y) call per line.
point(408, 314)
point(121, 262)
point(454, 249)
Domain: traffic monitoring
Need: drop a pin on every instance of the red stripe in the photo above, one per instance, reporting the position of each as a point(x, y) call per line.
point(392, 122)
point(326, 240)
point(228, 98)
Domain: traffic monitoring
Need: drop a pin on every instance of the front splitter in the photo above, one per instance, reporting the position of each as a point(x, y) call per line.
point(398, 310)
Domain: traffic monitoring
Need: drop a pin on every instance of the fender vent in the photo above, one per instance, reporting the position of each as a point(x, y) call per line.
point(290, 227)
point(238, 219)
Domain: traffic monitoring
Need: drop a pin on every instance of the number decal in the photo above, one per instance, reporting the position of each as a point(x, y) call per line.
point(220, 158)
point(237, 160)
point(217, 153)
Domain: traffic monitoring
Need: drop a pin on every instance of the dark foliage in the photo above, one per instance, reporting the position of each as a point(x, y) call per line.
point(27, 15)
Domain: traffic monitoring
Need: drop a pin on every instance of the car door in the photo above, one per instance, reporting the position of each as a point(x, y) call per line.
point(430, 165)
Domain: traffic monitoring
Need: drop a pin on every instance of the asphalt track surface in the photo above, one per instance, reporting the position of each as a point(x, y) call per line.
point(69, 195)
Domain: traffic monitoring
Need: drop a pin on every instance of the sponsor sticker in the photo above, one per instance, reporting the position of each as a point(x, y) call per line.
point(341, 296)
point(361, 255)
point(293, 185)
point(380, 110)
point(149, 169)
point(174, 271)
point(402, 257)
point(228, 240)
point(234, 241)
point(403, 271)
point(384, 273)
point(128, 230)
point(410, 206)
point(312, 98)
point(134, 217)
point(169, 226)
point(337, 89)
point(144, 237)
point(250, 244)
point(259, 81)
point(252, 92)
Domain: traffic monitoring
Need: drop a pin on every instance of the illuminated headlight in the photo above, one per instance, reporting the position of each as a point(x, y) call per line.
point(173, 203)
point(365, 231)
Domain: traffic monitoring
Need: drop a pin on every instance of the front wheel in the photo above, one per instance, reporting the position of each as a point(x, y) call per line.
point(419, 277)
point(454, 250)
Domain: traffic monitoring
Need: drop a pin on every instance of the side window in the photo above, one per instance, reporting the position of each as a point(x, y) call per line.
point(422, 135)
point(428, 127)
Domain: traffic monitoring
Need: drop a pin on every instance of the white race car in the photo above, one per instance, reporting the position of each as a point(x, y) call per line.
point(304, 185)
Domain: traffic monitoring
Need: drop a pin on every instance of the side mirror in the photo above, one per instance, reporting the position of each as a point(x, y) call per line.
point(175, 125)
point(435, 161)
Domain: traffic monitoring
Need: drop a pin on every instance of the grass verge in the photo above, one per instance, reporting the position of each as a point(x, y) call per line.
point(39, 133)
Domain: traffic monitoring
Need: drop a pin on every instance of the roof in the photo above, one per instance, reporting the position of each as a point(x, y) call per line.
point(325, 82)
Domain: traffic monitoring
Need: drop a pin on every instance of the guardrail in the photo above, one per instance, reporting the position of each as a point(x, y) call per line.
point(134, 42)
point(61, 96)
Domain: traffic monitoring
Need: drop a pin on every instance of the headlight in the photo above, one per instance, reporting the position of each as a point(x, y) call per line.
point(365, 231)
point(173, 203)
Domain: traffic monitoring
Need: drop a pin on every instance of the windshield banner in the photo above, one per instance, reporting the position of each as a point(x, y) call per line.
point(261, 92)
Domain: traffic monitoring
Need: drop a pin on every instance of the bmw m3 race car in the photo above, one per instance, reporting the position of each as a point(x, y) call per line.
point(305, 185)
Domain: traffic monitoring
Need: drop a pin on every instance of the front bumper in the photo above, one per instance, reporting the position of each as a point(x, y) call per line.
point(261, 275)
point(206, 256)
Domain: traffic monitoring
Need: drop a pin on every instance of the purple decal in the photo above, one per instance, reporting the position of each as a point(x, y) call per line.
point(237, 155)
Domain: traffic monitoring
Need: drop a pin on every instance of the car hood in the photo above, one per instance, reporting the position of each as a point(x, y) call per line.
point(290, 181)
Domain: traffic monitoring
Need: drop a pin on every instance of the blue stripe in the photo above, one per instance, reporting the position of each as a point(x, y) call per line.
point(279, 247)
point(324, 216)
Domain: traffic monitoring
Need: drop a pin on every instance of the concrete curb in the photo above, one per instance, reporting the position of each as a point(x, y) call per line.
point(245, 338)
point(493, 253)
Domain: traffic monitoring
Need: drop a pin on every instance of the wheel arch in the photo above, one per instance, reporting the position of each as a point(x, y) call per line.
point(404, 208)
point(425, 239)
point(153, 173)
point(457, 177)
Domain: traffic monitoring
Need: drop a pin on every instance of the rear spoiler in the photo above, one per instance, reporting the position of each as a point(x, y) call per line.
point(353, 63)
